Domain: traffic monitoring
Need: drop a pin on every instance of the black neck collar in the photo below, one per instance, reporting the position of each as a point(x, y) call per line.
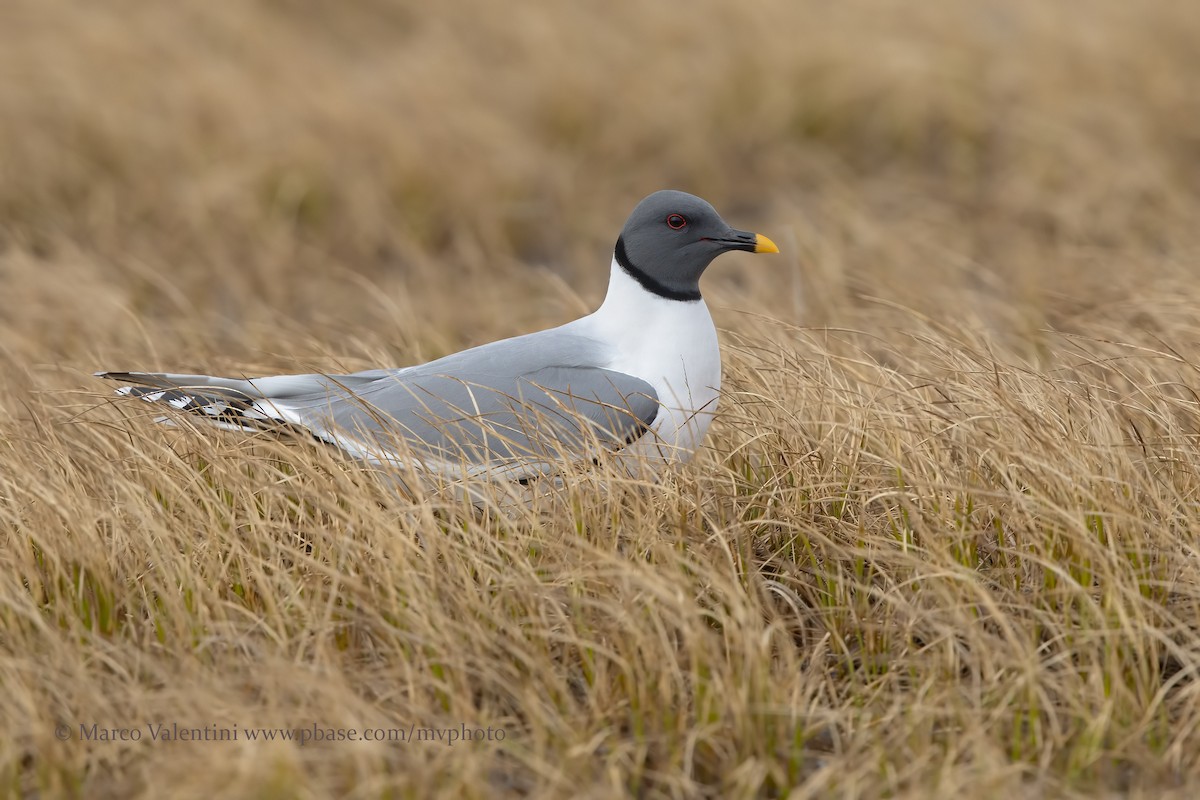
point(649, 283)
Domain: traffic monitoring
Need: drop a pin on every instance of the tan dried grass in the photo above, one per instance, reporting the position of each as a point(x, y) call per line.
point(941, 542)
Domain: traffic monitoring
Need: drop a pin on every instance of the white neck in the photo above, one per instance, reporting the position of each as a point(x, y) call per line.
point(628, 303)
point(671, 344)
point(649, 332)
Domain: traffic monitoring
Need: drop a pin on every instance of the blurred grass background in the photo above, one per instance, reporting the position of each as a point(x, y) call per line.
point(286, 185)
point(250, 163)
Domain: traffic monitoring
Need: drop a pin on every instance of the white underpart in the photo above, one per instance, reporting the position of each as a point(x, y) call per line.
point(670, 344)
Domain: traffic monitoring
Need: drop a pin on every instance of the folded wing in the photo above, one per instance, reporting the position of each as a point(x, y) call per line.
point(482, 421)
point(514, 407)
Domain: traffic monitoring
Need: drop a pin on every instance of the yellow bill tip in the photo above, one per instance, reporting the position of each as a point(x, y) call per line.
point(764, 245)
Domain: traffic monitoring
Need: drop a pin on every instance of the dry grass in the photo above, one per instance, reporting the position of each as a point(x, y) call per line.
point(941, 542)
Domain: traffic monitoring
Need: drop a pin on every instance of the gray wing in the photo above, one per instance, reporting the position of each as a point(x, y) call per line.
point(485, 419)
point(535, 398)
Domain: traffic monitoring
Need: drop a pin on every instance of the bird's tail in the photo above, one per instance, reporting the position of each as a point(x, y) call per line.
point(227, 403)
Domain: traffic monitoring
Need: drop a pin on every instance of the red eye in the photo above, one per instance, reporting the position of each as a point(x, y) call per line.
point(676, 221)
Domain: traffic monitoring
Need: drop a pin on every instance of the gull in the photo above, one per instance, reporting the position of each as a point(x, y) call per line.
point(639, 377)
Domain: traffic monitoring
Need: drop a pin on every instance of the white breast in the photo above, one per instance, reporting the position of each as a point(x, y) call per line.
point(670, 344)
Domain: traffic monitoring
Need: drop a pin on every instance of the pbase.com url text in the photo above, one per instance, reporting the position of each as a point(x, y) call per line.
point(309, 734)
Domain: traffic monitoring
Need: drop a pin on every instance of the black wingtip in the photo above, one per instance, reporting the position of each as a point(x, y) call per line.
point(128, 377)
